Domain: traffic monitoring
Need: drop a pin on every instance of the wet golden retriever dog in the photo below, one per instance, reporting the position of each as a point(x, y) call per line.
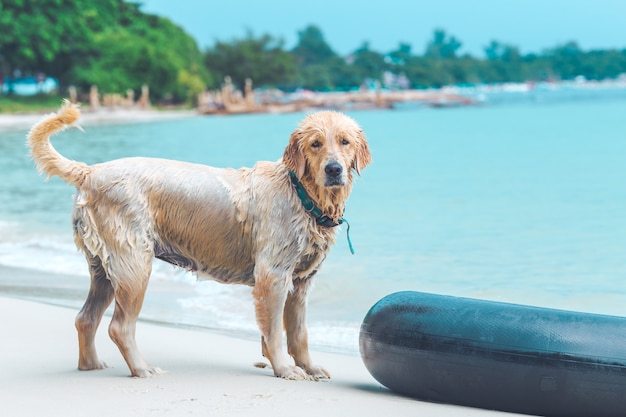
point(269, 227)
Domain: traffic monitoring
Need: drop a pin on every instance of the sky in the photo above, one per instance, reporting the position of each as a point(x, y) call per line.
point(530, 25)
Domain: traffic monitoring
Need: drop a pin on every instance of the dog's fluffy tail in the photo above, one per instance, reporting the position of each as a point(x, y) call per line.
point(47, 159)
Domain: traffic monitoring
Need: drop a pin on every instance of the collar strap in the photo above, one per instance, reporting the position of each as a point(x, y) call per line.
point(309, 205)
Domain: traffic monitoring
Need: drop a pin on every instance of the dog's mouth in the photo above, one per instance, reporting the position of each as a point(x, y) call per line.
point(334, 182)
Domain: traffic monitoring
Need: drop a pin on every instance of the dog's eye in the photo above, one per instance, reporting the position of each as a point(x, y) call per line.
point(316, 144)
point(345, 142)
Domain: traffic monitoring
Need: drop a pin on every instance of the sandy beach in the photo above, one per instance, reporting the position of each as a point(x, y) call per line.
point(101, 116)
point(207, 374)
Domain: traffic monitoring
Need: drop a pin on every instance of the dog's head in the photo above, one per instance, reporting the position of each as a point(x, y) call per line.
point(325, 148)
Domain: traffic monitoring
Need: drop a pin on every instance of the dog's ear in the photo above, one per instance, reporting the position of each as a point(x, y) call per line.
point(363, 156)
point(293, 156)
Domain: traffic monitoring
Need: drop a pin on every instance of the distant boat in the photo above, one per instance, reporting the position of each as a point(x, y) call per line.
point(29, 86)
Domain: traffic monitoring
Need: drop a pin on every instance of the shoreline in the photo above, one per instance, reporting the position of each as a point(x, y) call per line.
point(90, 117)
point(208, 373)
point(444, 97)
point(162, 306)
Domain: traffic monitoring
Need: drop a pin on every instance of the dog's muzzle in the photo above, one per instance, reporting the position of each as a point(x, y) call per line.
point(334, 172)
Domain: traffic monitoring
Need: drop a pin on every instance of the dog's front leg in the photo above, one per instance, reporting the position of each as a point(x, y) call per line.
point(270, 294)
point(295, 327)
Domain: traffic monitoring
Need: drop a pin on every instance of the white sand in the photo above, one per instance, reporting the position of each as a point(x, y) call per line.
point(208, 374)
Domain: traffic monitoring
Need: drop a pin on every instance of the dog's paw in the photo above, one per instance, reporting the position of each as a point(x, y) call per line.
point(147, 372)
point(92, 365)
point(261, 365)
point(292, 373)
point(317, 373)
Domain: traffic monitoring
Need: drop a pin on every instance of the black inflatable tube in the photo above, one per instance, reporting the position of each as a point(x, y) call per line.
point(497, 356)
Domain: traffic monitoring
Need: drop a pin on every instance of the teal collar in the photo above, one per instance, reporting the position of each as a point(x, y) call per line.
point(309, 205)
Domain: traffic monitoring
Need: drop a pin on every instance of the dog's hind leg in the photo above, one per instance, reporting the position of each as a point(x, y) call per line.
point(98, 299)
point(129, 295)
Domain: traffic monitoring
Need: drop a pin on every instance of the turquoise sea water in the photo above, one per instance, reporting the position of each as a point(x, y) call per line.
point(521, 199)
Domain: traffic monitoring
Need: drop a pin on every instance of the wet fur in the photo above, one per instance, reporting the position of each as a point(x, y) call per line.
point(243, 226)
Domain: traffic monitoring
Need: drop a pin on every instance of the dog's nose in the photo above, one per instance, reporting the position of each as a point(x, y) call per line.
point(333, 169)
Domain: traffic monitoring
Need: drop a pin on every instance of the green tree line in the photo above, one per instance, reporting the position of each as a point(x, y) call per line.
point(114, 45)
